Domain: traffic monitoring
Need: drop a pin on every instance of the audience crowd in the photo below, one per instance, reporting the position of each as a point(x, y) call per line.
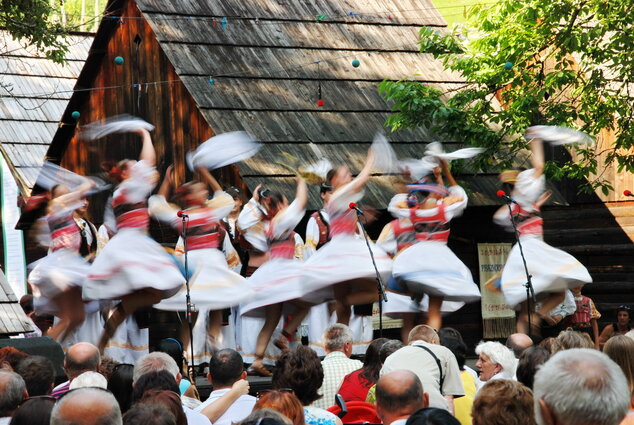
point(562, 381)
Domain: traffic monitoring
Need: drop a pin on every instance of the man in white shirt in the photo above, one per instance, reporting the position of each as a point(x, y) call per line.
point(157, 362)
point(435, 366)
point(399, 394)
point(12, 393)
point(226, 367)
point(337, 363)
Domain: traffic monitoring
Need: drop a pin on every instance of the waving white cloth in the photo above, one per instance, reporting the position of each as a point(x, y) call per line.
point(418, 168)
point(384, 157)
point(52, 175)
point(117, 124)
point(434, 149)
point(223, 149)
point(559, 135)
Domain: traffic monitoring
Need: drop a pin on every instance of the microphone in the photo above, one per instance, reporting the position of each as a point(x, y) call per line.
point(502, 194)
point(354, 206)
point(182, 214)
point(628, 193)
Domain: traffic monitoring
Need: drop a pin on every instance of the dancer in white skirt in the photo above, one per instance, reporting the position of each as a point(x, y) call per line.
point(427, 266)
point(213, 286)
point(278, 281)
point(345, 261)
point(399, 306)
point(57, 279)
point(552, 270)
point(132, 267)
point(321, 316)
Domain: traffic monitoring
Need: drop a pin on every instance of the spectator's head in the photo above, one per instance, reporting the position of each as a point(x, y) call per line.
point(86, 406)
point(623, 315)
point(570, 339)
point(284, 402)
point(225, 368)
point(580, 387)
point(372, 361)
point(89, 379)
point(161, 380)
point(10, 357)
point(26, 302)
point(107, 366)
point(547, 343)
point(38, 373)
point(432, 416)
point(503, 402)
point(81, 357)
point(423, 333)
point(620, 349)
point(12, 392)
point(458, 348)
point(398, 395)
point(170, 400)
point(156, 362)
point(120, 385)
point(518, 343)
point(494, 358)
point(34, 411)
point(300, 370)
point(449, 333)
point(338, 337)
point(266, 417)
point(388, 348)
point(149, 414)
point(530, 361)
point(174, 348)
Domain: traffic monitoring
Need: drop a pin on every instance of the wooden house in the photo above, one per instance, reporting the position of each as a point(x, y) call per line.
point(204, 67)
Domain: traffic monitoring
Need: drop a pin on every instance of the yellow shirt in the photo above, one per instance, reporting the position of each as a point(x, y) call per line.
point(462, 405)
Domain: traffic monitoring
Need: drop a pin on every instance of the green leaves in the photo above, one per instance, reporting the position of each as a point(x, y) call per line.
point(562, 62)
point(29, 20)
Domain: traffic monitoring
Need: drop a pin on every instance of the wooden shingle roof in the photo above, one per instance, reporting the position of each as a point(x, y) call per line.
point(263, 64)
point(12, 318)
point(34, 92)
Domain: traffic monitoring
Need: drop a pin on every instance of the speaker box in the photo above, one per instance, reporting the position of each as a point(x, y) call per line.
point(40, 346)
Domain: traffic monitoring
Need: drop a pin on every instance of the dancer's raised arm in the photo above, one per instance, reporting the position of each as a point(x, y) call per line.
point(209, 179)
point(537, 149)
point(148, 153)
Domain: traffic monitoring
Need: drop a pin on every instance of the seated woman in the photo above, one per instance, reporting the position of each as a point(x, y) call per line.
point(495, 361)
point(620, 327)
point(301, 371)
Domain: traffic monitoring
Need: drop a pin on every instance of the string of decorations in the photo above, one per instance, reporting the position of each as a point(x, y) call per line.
point(223, 23)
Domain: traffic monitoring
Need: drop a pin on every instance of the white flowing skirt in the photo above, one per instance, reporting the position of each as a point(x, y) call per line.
point(431, 268)
point(213, 286)
point(342, 259)
point(131, 261)
point(274, 282)
point(397, 304)
point(57, 272)
point(552, 270)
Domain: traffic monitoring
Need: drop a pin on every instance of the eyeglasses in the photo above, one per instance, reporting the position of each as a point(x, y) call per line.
point(282, 390)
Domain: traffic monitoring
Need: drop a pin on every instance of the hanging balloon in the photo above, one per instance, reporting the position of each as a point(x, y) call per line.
point(118, 60)
point(320, 102)
point(508, 65)
point(75, 115)
point(356, 63)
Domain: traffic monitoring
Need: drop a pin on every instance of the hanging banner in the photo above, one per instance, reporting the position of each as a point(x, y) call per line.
point(498, 321)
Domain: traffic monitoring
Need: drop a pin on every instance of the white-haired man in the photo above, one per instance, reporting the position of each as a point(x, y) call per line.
point(580, 386)
point(495, 361)
point(337, 364)
point(12, 393)
point(435, 365)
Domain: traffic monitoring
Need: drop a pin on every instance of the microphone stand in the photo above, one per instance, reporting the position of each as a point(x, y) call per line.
point(530, 292)
point(379, 281)
point(188, 301)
